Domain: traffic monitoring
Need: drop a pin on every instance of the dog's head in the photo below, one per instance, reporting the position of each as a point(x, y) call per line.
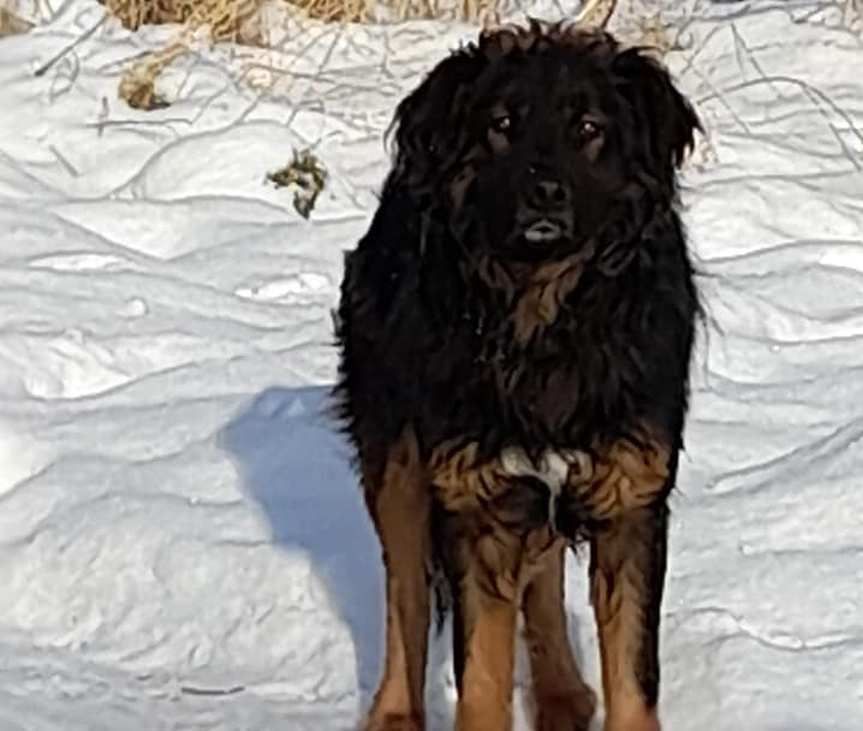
point(536, 140)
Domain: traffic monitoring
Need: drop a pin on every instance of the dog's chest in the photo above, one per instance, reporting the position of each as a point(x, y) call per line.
point(562, 379)
point(566, 374)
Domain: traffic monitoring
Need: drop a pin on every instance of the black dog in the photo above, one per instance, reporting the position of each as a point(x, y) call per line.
point(516, 329)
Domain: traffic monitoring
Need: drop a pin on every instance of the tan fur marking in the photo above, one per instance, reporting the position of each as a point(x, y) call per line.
point(461, 480)
point(498, 276)
point(401, 508)
point(623, 477)
point(540, 300)
point(498, 563)
point(492, 565)
point(396, 723)
point(462, 180)
point(634, 718)
point(470, 486)
point(486, 701)
point(619, 622)
point(496, 560)
point(619, 594)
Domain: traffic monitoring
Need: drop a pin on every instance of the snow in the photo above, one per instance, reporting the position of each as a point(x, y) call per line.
point(182, 543)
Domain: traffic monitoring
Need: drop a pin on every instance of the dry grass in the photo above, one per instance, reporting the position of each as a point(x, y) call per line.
point(240, 21)
point(645, 24)
point(360, 11)
point(654, 31)
point(220, 20)
point(11, 24)
point(227, 20)
point(235, 19)
point(307, 175)
point(852, 14)
point(138, 83)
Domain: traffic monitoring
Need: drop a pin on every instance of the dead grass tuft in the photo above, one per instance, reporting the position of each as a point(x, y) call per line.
point(138, 83)
point(218, 20)
point(234, 19)
point(227, 20)
point(658, 34)
point(349, 11)
point(241, 21)
point(360, 11)
point(307, 174)
point(852, 14)
point(646, 24)
point(11, 24)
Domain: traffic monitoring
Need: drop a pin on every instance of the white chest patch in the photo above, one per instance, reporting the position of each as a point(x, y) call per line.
point(552, 468)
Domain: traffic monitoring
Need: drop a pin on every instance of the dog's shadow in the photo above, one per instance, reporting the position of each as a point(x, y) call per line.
point(295, 465)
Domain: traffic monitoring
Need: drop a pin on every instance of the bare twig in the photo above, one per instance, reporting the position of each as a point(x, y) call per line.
point(80, 39)
point(69, 167)
point(190, 690)
point(595, 13)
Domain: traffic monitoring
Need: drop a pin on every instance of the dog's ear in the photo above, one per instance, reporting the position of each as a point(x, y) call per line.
point(430, 122)
point(660, 108)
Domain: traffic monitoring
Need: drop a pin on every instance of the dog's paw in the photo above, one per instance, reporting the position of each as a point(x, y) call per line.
point(572, 712)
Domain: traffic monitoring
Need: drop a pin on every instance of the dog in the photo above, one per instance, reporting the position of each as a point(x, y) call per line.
point(515, 332)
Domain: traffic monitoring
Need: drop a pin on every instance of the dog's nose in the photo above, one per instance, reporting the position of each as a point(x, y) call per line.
point(549, 194)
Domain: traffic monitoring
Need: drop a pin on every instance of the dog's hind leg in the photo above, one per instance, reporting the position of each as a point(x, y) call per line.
point(628, 561)
point(400, 505)
point(563, 701)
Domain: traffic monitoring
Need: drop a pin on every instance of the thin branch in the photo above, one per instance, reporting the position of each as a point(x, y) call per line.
point(595, 13)
point(46, 66)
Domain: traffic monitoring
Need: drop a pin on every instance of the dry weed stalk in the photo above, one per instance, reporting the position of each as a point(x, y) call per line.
point(595, 13)
point(11, 24)
point(659, 35)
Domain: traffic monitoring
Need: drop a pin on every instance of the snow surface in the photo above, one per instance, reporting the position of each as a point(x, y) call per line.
point(182, 544)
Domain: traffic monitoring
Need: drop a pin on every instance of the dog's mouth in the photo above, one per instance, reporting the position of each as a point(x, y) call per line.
point(544, 231)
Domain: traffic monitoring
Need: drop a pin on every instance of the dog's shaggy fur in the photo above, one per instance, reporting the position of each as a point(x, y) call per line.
point(516, 329)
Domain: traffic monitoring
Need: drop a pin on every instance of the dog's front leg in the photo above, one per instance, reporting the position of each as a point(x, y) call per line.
point(483, 561)
point(400, 505)
point(483, 556)
point(562, 699)
point(622, 492)
point(628, 560)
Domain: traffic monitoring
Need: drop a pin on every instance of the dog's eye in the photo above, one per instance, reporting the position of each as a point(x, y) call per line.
point(587, 130)
point(502, 124)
